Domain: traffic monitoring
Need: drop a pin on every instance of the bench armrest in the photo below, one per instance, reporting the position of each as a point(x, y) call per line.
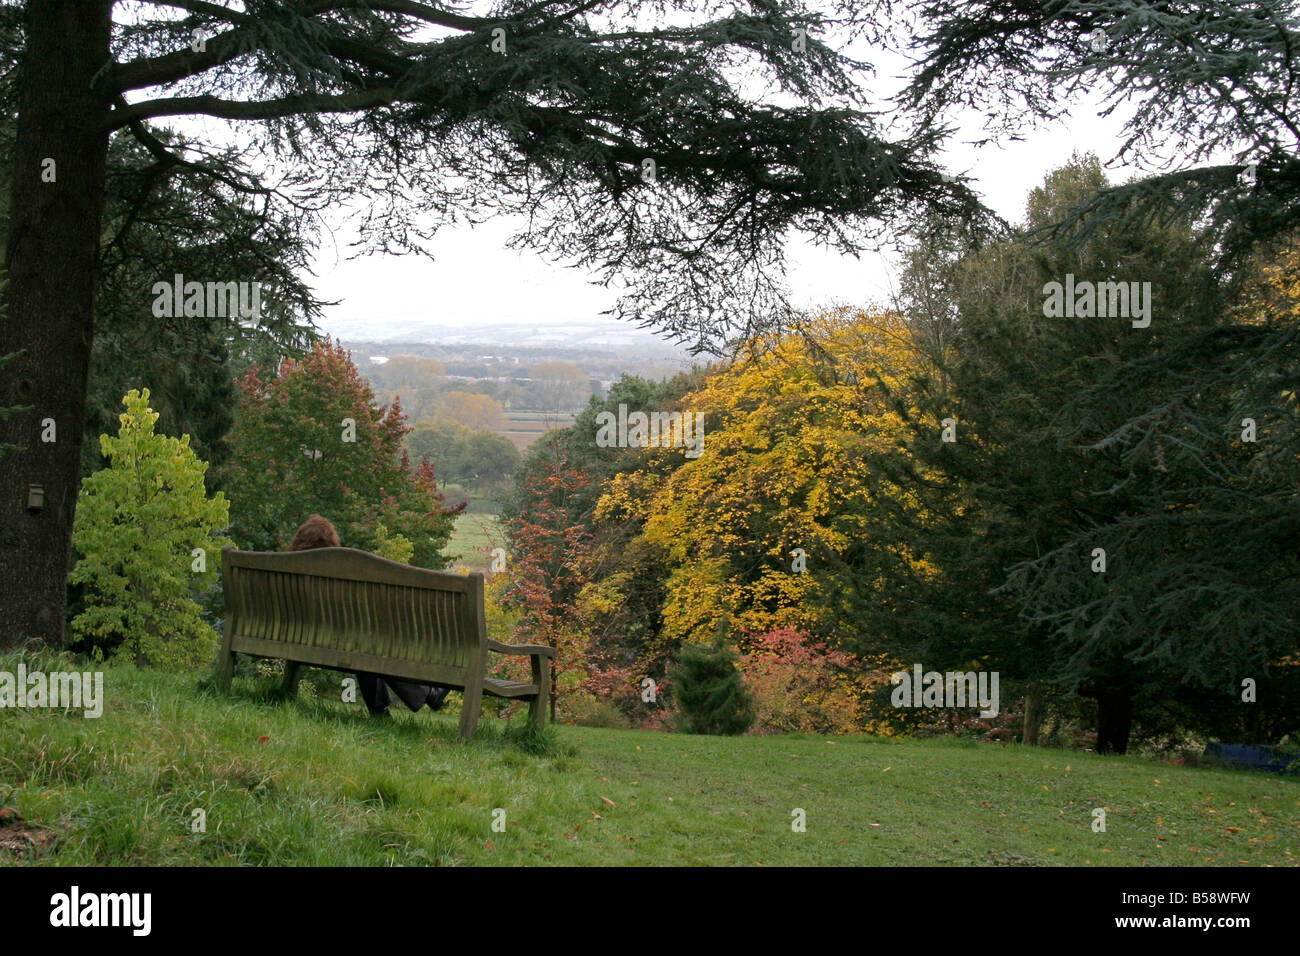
point(537, 649)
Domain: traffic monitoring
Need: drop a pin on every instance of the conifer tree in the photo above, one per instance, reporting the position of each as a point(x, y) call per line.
point(148, 539)
point(708, 692)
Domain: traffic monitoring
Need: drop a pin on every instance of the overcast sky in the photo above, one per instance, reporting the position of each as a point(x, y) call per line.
point(475, 281)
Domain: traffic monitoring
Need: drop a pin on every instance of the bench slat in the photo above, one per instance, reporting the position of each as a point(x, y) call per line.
point(350, 564)
point(420, 671)
point(381, 619)
point(509, 688)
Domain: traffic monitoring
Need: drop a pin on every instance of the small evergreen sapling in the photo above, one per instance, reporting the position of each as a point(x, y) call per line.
point(710, 695)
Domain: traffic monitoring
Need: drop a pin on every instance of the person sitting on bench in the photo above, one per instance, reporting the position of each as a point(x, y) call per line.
point(318, 532)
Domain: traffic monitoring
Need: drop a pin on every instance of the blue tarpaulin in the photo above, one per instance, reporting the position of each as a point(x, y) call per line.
point(1272, 759)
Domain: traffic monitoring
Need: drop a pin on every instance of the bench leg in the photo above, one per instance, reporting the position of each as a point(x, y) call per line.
point(469, 710)
point(542, 678)
point(225, 662)
point(292, 671)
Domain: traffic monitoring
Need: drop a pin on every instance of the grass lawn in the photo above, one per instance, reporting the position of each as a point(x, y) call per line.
point(315, 782)
point(472, 541)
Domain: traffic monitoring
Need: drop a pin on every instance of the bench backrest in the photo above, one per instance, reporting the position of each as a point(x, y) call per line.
point(346, 608)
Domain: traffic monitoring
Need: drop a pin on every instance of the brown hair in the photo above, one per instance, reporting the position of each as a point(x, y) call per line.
point(315, 532)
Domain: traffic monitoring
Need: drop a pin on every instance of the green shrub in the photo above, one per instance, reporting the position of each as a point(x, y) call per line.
point(588, 711)
point(709, 694)
point(148, 539)
point(394, 547)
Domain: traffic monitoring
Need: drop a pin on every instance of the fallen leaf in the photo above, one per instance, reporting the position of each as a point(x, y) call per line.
point(608, 801)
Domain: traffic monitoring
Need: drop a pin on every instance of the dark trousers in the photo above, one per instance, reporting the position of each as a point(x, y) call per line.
point(375, 691)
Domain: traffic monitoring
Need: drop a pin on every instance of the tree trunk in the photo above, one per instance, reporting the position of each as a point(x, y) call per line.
point(1033, 715)
point(50, 261)
point(1114, 720)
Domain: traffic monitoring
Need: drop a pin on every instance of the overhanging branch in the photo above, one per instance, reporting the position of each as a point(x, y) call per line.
point(251, 110)
point(167, 158)
point(160, 70)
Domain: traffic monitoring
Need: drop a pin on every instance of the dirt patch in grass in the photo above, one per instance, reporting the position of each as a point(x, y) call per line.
point(20, 838)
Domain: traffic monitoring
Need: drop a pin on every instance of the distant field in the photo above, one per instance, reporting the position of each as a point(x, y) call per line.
point(524, 428)
point(562, 418)
point(473, 539)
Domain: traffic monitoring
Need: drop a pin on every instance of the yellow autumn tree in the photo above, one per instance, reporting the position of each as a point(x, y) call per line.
point(780, 483)
point(481, 413)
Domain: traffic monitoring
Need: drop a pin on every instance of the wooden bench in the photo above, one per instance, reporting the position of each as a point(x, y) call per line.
point(347, 610)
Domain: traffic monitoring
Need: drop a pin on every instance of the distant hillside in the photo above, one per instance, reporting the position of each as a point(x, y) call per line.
point(597, 334)
point(497, 354)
